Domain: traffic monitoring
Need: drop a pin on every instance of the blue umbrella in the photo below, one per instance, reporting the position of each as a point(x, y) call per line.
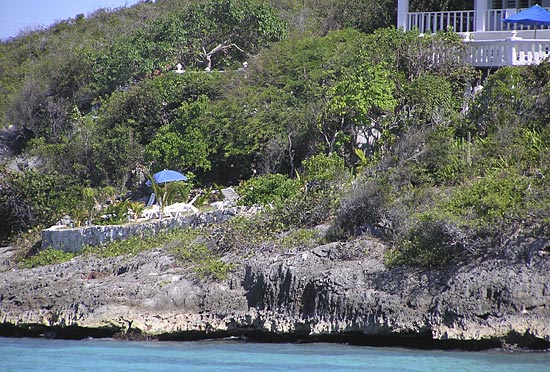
point(534, 16)
point(165, 176)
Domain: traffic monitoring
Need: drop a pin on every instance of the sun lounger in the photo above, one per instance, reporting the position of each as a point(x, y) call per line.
point(230, 197)
point(178, 209)
point(151, 212)
point(151, 200)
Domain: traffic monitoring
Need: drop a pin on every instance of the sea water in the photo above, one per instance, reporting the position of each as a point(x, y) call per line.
point(17, 355)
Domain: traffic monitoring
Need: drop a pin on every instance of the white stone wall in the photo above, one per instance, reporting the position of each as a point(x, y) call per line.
point(74, 239)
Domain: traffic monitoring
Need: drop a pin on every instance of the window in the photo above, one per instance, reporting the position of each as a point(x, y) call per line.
point(512, 4)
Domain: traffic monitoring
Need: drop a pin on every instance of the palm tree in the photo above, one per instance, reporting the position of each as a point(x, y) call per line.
point(136, 207)
point(88, 198)
point(165, 193)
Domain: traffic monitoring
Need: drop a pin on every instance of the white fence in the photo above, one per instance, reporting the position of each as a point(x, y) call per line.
point(510, 52)
point(461, 21)
point(464, 21)
point(494, 18)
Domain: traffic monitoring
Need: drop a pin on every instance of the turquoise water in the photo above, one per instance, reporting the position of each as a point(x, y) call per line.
point(113, 356)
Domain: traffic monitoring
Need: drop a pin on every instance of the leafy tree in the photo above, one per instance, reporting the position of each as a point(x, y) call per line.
point(184, 143)
point(505, 96)
point(88, 201)
point(152, 103)
point(284, 96)
point(32, 199)
point(166, 193)
point(364, 15)
point(267, 189)
point(357, 101)
point(430, 99)
point(413, 55)
point(213, 31)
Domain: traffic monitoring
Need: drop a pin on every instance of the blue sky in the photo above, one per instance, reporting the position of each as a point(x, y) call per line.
point(17, 15)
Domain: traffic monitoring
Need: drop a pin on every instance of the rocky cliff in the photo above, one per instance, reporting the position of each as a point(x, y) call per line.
point(336, 292)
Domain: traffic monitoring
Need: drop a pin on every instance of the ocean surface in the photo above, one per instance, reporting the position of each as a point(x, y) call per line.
point(26, 355)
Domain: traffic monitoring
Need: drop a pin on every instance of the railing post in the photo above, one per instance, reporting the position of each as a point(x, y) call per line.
point(402, 10)
point(513, 51)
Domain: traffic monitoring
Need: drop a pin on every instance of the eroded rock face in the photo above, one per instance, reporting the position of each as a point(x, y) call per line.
point(322, 292)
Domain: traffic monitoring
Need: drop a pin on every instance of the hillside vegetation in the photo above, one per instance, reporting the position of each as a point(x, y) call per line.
point(336, 118)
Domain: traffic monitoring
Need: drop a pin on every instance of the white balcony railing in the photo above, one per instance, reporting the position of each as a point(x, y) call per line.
point(510, 52)
point(460, 21)
point(494, 18)
point(464, 21)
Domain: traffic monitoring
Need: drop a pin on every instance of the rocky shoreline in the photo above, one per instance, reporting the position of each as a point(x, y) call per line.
point(339, 292)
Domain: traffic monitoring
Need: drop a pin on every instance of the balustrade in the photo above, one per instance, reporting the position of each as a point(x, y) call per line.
point(459, 21)
point(510, 52)
point(464, 21)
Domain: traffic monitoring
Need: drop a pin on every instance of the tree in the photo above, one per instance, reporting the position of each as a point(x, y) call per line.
point(356, 102)
point(166, 193)
point(184, 142)
point(88, 201)
point(30, 199)
point(214, 31)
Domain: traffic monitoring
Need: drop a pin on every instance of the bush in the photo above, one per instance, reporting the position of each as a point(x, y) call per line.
point(137, 244)
point(46, 257)
point(447, 159)
point(31, 199)
point(489, 199)
point(205, 263)
point(324, 168)
point(187, 245)
point(364, 207)
point(115, 214)
point(432, 240)
point(263, 190)
point(302, 211)
point(298, 238)
point(430, 99)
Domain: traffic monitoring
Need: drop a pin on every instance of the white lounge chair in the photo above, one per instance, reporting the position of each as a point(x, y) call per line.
point(177, 209)
point(230, 197)
point(151, 212)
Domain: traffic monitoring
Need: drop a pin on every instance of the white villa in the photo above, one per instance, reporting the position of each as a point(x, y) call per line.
point(492, 42)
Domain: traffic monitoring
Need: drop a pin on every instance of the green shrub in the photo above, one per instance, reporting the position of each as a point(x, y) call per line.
point(267, 189)
point(32, 199)
point(432, 240)
point(366, 203)
point(46, 257)
point(137, 244)
point(430, 98)
point(489, 199)
point(298, 238)
point(447, 159)
point(325, 168)
point(303, 211)
point(137, 208)
point(114, 214)
point(205, 263)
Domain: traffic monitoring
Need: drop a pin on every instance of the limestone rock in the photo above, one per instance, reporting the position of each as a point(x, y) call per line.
point(322, 292)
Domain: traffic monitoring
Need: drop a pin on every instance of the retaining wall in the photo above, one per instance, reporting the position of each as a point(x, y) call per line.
point(74, 239)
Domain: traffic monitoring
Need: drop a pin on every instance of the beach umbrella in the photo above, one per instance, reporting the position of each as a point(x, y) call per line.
point(534, 16)
point(166, 176)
